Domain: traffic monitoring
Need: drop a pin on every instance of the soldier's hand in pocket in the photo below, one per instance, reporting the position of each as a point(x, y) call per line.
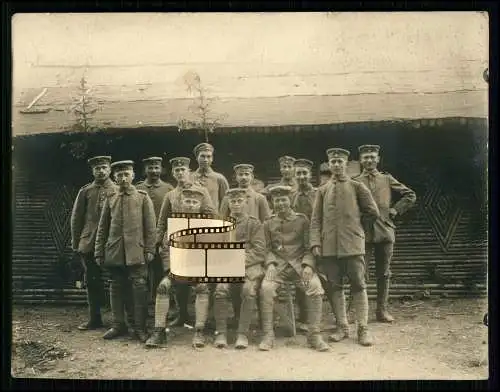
point(307, 274)
point(316, 251)
point(149, 257)
point(271, 272)
point(392, 213)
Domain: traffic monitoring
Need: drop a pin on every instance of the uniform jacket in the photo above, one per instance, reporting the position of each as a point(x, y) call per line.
point(381, 186)
point(86, 212)
point(250, 230)
point(126, 229)
point(287, 242)
point(215, 182)
point(336, 224)
point(256, 206)
point(156, 192)
point(303, 200)
point(172, 203)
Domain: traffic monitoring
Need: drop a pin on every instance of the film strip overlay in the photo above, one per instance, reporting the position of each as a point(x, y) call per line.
point(203, 249)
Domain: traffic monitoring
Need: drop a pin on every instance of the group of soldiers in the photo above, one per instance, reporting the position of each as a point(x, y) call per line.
point(294, 233)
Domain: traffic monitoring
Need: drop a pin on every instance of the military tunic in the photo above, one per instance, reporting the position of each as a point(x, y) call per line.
point(303, 200)
point(126, 229)
point(156, 192)
point(214, 182)
point(256, 206)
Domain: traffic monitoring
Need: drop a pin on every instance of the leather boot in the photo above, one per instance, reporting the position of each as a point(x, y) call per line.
point(314, 307)
point(360, 303)
point(182, 292)
point(267, 317)
point(301, 323)
point(248, 305)
point(115, 332)
point(93, 297)
point(117, 309)
point(157, 338)
point(202, 304)
point(221, 311)
point(342, 332)
point(364, 337)
point(140, 295)
point(382, 299)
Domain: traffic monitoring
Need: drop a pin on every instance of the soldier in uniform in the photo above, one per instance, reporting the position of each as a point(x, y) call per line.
point(172, 203)
point(337, 237)
point(189, 199)
point(84, 220)
point(380, 236)
point(156, 189)
point(125, 244)
point(215, 182)
point(256, 205)
point(288, 259)
point(324, 173)
point(250, 230)
point(287, 170)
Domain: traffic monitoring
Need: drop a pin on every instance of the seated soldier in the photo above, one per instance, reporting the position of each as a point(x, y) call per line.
point(250, 230)
point(191, 201)
point(288, 259)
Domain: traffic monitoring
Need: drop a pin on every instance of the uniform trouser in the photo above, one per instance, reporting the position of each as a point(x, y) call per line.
point(382, 253)
point(333, 271)
point(204, 292)
point(155, 275)
point(313, 293)
point(128, 289)
point(247, 292)
point(166, 288)
point(94, 284)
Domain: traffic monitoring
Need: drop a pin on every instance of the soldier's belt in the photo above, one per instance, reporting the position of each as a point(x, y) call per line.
point(203, 249)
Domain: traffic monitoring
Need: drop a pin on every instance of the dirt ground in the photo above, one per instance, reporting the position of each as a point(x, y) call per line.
point(433, 339)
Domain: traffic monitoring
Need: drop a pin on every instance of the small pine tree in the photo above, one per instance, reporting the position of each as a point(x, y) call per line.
point(201, 110)
point(83, 107)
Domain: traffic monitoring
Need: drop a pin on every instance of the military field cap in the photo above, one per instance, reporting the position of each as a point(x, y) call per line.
point(202, 147)
point(337, 153)
point(304, 163)
point(243, 167)
point(180, 161)
point(122, 165)
point(192, 193)
point(99, 160)
point(280, 190)
point(324, 168)
point(368, 148)
point(152, 161)
point(234, 193)
point(286, 160)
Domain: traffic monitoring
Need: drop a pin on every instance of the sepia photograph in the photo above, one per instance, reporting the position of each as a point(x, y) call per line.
point(273, 196)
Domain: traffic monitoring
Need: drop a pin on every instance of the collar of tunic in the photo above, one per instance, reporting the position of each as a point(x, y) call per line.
point(204, 173)
point(106, 183)
point(155, 184)
point(367, 173)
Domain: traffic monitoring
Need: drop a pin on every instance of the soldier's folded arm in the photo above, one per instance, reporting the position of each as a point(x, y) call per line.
point(257, 243)
point(264, 210)
point(208, 206)
point(408, 196)
point(270, 258)
point(367, 204)
point(308, 259)
point(161, 226)
point(149, 224)
point(77, 218)
point(223, 187)
point(102, 230)
point(316, 221)
point(224, 207)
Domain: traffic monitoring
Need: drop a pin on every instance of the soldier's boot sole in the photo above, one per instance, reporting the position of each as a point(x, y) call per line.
point(340, 334)
point(241, 342)
point(156, 339)
point(114, 333)
point(384, 317)
point(221, 341)
point(364, 338)
point(267, 343)
point(91, 325)
point(317, 343)
point(199, 340)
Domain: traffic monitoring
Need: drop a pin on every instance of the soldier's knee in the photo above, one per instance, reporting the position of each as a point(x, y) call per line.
point(222, 291)
point(164, 287)
point(358, 285)
point(267, 288)
point(201, 288)
point(249, 289)
point(315, 288)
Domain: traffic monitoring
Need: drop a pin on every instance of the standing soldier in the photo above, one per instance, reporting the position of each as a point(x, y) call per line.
point(156, 189)
point(172, 203)
point(287, 170)
point(380, 236)
point(251, 231)
point(288, 260)
point(256, 204)
point(84, 221)
point(215, 182)
point(125, 244)
point(337, 237)
point(186, 199)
